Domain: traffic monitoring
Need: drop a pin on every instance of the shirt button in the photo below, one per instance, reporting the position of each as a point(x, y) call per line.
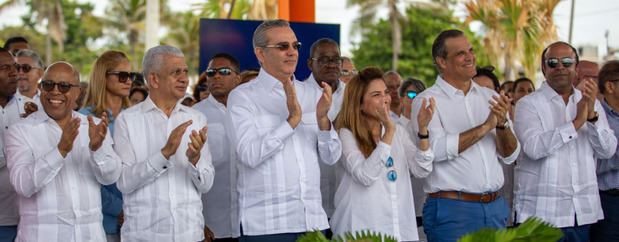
point(165, 167)
point(570, 137)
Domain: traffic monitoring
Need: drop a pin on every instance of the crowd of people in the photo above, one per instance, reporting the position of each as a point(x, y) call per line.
point(257, 155)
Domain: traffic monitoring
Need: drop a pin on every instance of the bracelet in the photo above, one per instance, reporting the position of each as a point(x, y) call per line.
point(423, 136)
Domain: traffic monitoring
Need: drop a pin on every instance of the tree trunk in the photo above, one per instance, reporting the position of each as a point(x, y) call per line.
point(396, 33)
point(48, 50)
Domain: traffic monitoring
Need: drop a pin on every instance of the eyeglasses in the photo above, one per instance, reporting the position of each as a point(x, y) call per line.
point(7, 67)
point(63, 87)
point(224, 71)
point(123, 76)
point(554, 62)
point(326, 60)
point(283, 46)
point(201, 88)
point(411, 94)
point(391, 175)
point(347, 72)
point(25, 67)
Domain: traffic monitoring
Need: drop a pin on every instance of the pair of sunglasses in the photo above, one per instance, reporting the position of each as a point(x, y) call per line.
point(411, 94)
point(25, 67)
point(347, 72)
point(284, 46)
point(63, 87)
point(123, 76)
point(224, 71)
point(566, 62)
point(391, 175)
point(326, 60)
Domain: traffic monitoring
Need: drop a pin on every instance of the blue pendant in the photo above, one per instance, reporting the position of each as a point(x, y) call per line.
point(392, 176)
point(389, 162)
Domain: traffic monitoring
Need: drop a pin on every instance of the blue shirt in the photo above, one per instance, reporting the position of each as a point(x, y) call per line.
point(111, 197)
point(608, 169)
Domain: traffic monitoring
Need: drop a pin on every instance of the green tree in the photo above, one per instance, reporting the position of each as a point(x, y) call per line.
point(419, 30)
point(185, 34)
point(48, 13)
point(35, 39)
point(516, 31)
point(83, 29)
point(127, 18)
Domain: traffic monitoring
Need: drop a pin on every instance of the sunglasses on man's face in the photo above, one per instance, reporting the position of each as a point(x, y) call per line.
point(284, 46)
point(411, 94)
point(224, 71)
point(123, 76)
point(554, 62)
point(25, 67)
point(63, 87)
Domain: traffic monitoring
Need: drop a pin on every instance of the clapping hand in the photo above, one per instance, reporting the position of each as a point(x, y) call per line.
point(97, 133)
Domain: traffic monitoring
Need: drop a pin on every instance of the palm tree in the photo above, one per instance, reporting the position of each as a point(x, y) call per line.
point(238, 9)
point(127, 16)
point(515, 30)
point(49, 14)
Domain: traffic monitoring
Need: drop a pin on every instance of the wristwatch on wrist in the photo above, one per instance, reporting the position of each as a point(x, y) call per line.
point(504, 126)
point(423, 136)
point(595, 118)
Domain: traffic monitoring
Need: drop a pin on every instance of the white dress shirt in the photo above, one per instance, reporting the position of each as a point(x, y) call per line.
point(221, 203)
point(161, 198)
point(476, 169)
point(279, 177)
point(59, 198)
point(366, 199)
point(417, 183)
point(555, 178)
point(327, 172)
point(9, 214)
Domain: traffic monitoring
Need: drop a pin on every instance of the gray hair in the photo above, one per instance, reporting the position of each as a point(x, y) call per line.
point(153, 58)
point(418, 84)
point(30, 54)
point(344, 58)
point(389, 73)
point(260, 38)
point(75, 71)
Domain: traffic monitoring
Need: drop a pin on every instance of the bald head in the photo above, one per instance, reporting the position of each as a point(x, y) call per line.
point(587, 70)
point(63, 67)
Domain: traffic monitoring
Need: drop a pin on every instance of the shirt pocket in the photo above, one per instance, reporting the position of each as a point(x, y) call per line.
point(217, 142)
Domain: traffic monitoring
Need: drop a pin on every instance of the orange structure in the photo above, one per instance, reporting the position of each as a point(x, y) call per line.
point(297, 10)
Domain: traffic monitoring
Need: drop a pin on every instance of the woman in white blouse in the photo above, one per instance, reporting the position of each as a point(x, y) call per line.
point(374, 187)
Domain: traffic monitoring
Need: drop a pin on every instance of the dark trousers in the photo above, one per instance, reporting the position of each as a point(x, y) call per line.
point(607, 229)
point(286, 237)
point(8, 233)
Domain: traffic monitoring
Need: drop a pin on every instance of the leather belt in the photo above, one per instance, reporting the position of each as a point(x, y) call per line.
point(612, 192)
point(482, 198)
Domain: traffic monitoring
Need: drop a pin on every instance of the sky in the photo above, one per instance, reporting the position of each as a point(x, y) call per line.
point(592, 19)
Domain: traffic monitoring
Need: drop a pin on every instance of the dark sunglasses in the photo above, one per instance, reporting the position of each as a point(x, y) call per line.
point(346, 72)
point(224, 71)
point(283, 46)
point(123, 76)
point(411, 94)
point(25, 67)
point(326, 60)
point(554, 62)
point(63, 87)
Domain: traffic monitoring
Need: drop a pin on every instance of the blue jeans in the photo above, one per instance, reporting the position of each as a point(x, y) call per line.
point(607, 229)
point(8, 233)
point(450, 219)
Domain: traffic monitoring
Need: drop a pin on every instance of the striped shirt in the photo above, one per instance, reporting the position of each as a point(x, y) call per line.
point(161, 198)
point(279, 177)
point(555, 176)
point(59, 198)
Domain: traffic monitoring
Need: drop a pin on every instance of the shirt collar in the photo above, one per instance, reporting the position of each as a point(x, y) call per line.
point(149, 105)
point(608, 108)
point(18, 94)
point(214, 101)
point(550, 93)
point(312, 79)
point(41, 116)
point(268, 81)
point(451, 90)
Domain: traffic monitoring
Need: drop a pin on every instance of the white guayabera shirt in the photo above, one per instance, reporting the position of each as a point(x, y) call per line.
point(161, 198)
point(279, 176)
point(59, 198)
point(221, 203)
point(555, 178)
